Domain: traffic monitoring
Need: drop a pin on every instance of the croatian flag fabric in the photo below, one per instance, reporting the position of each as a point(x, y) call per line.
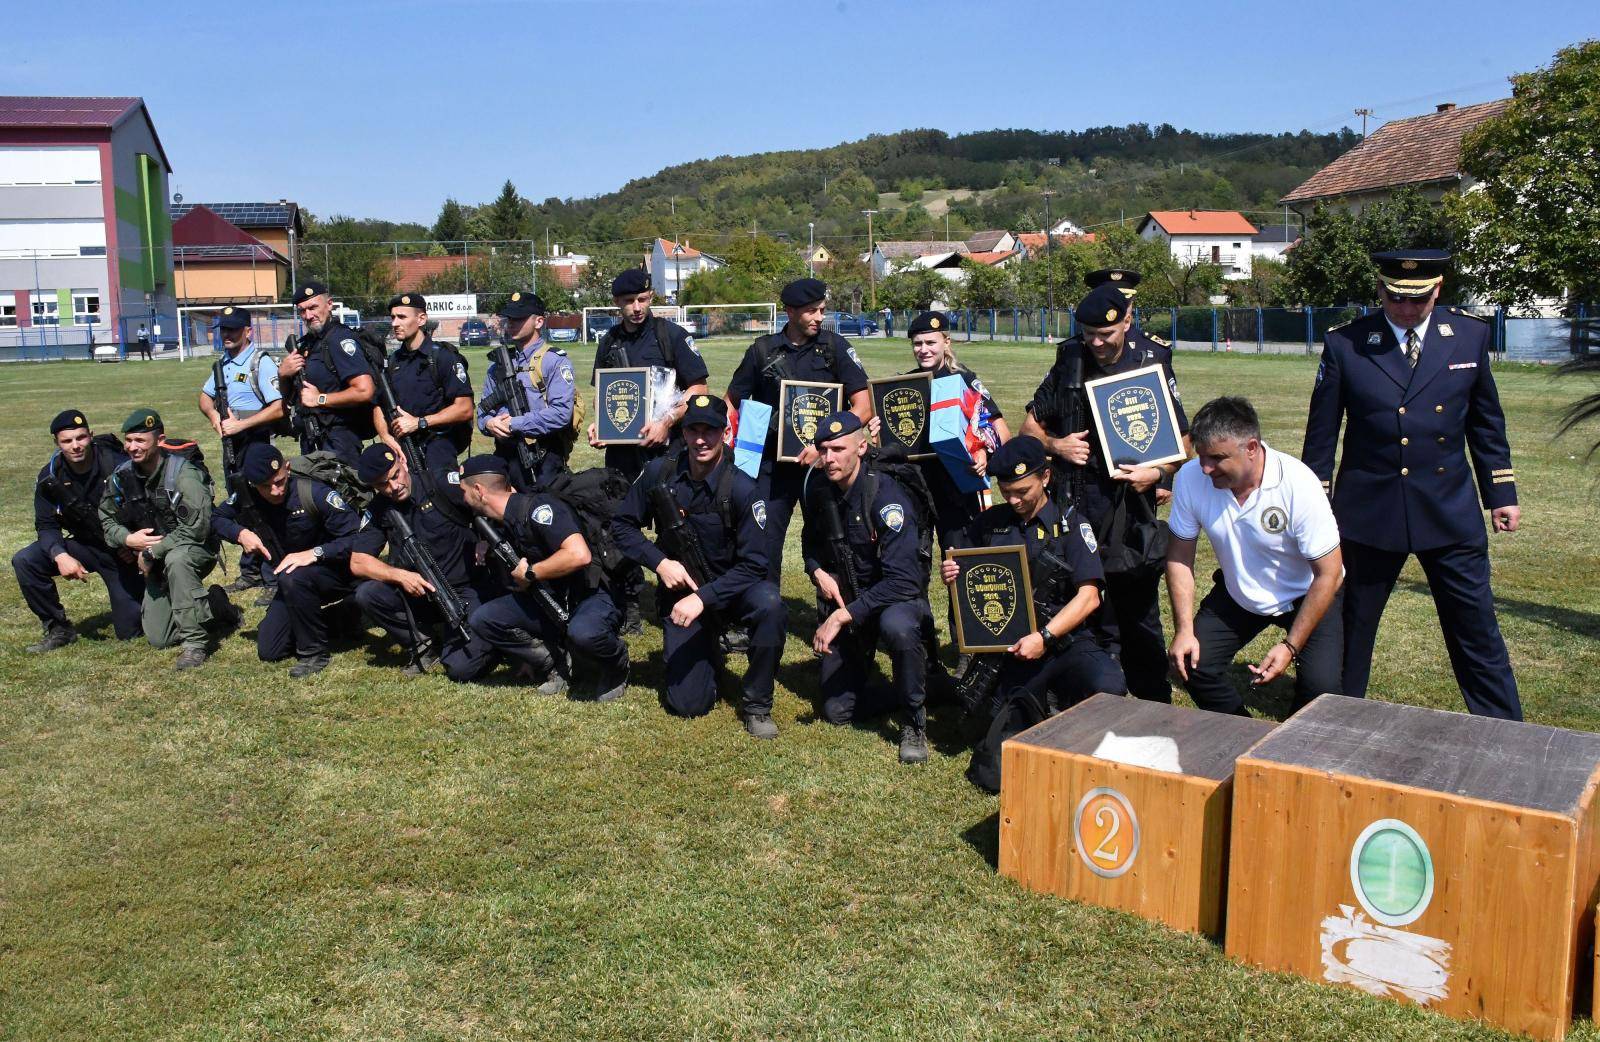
point(951, 430)
point(750, 421)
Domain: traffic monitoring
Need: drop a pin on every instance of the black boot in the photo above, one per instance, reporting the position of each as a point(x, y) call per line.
point(54, 637)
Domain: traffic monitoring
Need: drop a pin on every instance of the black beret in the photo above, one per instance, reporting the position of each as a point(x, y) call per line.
point(630, 282)
point(521, 304)
point(1411, 273)
point(1017, 458)
point(261, 461)
point(837, 426)
point(375, 463)
point(1122, 278)
point(69, 420)
point(233, 318)
point(803, 293)
point(707, 409)
point(409, 300)
point(308, 289)
point(928, 322)
point(142, 421)
point(1105, 305)
point(485, 463)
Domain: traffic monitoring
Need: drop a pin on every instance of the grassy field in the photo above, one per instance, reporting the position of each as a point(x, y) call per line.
point(231, 855)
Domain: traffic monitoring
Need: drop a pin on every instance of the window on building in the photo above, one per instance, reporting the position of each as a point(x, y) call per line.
point(85, 307)
point(46, 312)
point(8, 310)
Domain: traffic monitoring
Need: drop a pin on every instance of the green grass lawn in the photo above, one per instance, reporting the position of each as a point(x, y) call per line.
point(228, 855)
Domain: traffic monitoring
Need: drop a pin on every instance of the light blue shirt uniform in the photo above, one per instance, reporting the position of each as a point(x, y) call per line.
point(247, 393)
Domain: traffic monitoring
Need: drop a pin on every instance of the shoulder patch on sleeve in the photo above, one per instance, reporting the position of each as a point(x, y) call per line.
point(851, 351)
point(894, 515)
point(335, 500)
point(461, 372)
point(758, 510)
point(348, 346)
point(543, 514)
point(1087, 531)
point(688, 342)
point(454, 477)
point(1172, 385)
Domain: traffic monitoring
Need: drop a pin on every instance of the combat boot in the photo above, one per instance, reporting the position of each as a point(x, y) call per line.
point(309, 665)
point(913, 743)
point(191, 658)
point(54, 637)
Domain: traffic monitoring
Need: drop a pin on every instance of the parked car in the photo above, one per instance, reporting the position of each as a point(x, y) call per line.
point(475, 333)
point(599, 324)
point(846, 324)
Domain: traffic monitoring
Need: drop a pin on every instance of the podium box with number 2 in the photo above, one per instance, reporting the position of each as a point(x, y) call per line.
point(1124, 803)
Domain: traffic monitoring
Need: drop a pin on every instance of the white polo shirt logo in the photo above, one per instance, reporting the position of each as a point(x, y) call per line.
point(1274, 520)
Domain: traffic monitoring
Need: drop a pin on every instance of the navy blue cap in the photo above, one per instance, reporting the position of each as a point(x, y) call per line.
point(803, 293)
point(1017, 458)
point(485, 463)
point(521, 304)
point(71, 419)
point(630, 282)
point(1105, 305)
point(1411, 273)
point(261, 461)
point(409, 300)
point(928, 322)
point(837, 426)
point(375, 463)
point(707, 409)
point(1124, 279)
point(232, 318)
point(308, 289)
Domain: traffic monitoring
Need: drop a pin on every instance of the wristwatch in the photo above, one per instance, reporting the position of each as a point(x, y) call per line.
point(322, 399)
point(318, 552)
point(422, 423)
point(1050, 639)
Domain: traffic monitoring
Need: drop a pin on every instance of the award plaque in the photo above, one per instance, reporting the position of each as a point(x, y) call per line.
point(802, 405)
point(992, 598)
point(903, 405)
point(1134, 417)
point(622, 405)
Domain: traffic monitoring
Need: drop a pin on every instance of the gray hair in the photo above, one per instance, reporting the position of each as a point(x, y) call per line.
point(1227, 417)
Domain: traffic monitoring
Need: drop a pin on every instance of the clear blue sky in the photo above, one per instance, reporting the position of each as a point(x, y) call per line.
point(381, 108)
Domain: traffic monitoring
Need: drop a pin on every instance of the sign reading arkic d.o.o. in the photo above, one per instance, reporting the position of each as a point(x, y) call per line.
point(452, 305)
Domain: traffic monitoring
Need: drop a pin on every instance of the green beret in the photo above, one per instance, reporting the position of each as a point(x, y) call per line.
point(142, 421)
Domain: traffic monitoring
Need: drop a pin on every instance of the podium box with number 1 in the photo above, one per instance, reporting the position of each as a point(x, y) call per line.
point(1125, 803)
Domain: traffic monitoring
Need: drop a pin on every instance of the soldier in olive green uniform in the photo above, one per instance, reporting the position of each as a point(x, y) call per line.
point(158, 504)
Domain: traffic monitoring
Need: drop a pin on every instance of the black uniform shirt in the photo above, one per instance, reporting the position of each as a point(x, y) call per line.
point(58, 486)
point(808, 362)
point(451, 543)
point(620, 349)
point(885, 549)
point(427, 379)
point(333, 525)
point(537, 524)
point(333, 360)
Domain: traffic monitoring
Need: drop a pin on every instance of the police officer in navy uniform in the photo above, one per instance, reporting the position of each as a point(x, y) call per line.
point(719, 504)
point(1412, 384)
point(431, 389)
point(72, 543)
point(437, 514)
point(313, 531)
point(547, 426)
point(642, 339)
point(328, 376)
point(891, 603)
point(1124, 279)
point(801, 350)
point(547, 534)
point(1121, 505)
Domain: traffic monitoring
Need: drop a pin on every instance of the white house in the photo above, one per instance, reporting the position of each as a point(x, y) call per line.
point(1220, 237)
point(1065, 226)
point(1274, 240)
point(887, 254)
point(996, 241)
point(669, 261)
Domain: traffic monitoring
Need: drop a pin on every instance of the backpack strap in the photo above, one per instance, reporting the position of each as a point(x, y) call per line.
point(170, 466)
point(869, 492)
point(724, 497)
point(308, 496)
point(664, 338)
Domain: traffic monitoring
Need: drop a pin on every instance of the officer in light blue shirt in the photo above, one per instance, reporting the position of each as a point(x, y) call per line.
point(536, 442)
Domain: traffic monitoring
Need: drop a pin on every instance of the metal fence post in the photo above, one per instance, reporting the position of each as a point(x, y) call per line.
point(1261, 330)
point(1213, 329)
point(1309, 310)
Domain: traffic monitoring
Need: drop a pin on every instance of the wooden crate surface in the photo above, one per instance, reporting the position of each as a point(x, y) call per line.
point(1208, 743)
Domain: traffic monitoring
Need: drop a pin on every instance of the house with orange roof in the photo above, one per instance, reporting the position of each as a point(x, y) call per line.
point(673, 263)
point(1220, 237)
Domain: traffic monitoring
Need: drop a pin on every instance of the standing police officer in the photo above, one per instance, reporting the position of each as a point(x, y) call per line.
point(255, 404)
point(327, 379)
point(1120, 505)
point(879, 557)
point(703, 506)
point(431, 389)
point(1415, 388)
point(308, 531)
point(545, 374)
point(643, 339)
point(71, 543)
point(801, 350)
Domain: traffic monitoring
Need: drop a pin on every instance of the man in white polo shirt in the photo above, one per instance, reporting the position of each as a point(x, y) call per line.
point(1277, 546)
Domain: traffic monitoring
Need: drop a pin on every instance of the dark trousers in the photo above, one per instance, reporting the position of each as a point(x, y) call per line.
point(1135, 603)
point(505, 624)
point(295, 623)
point(36, 573)
point(344, 443)
point(630, 461)
point(250, 562)
point(463, 657)
point(689, 650)
point(1459, 579)
point(781, 486)
point(439, 453)
point(899, 628)
point(1223, 626)
point(1063, 678)
point(550, 463)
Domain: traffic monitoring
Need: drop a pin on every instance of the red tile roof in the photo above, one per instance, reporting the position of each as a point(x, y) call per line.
point(1201, 222)
point(668, 248)
point(990, 257)
point(411, 272)
point(58, 113)
point(201, 235)
point(1420, 150)
point(1033, 242)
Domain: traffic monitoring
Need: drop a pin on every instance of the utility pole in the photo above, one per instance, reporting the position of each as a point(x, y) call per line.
point(677, 263)
point(1363, 113)
point(1049, 267)
point(811, 248)
point(872, 273)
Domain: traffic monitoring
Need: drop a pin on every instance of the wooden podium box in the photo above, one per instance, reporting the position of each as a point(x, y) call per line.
point(1124, 803)
point(1420, 855)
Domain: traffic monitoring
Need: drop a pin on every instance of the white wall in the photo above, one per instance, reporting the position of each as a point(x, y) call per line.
point(49, 238)
point(1233, 252)
point(34, 165)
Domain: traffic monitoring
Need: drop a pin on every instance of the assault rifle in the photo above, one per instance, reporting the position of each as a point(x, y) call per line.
point(389, 405)
point(844, 561)
point(501, 550)
point(304, 422)
point(444, 596)
point(1077, 480)
point(244, 504)
point(509, 394)
point(678, 534)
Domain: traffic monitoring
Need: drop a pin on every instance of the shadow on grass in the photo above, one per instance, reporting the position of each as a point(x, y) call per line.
point(984, 838)
point(1580, 623)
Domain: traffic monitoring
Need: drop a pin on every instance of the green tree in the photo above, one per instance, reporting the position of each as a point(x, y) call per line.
point(915, 288)
point(848, 282)
point(986, 286)
point(1061, 269)
point(1332, 265)
point(765, 263)
point(343, 253)
point(451, 224)
point(1531, 225)
point(1264, 288)
point(502, 219)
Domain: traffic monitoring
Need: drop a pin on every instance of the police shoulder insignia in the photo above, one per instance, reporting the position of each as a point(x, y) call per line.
point(1322, 366)
point(543, 514)
point(758, 510)
point(454, 477)
point(1374, 339)
point(1172, 385)
point(348, 346)
point(1163, 343)
point(566, 373)
point(461, 372)
point(854, 357)
point(1445, 330)
point(977, 385)
point(1087, 531)
point(335, 500)
point(894, 515)
point(688, 342)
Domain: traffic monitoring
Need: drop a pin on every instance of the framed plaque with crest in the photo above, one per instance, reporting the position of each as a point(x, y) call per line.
point(992, 598)
point(622, 405)
point(903, 405)
point(1134, 416)
point(802, 406)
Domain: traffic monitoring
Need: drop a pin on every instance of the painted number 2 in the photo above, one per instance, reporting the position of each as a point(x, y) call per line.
point(1105, 851)
point(1105, 832)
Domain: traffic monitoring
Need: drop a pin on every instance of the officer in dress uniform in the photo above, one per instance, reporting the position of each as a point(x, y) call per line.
point(1124, 279)
point(546, 427)
point(557, 573)
point(643, 339)
point(1414, 389)
point(441, 522)
point(328, 377)
point(431, 389)
point(310, 531)
point(1120, 505)
point(891, 596)
point(71, 543)
point(718, 503)
point(801, 350)
point(255, 404)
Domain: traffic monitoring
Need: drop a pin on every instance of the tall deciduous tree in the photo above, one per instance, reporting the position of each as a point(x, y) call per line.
point(1332, 264)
